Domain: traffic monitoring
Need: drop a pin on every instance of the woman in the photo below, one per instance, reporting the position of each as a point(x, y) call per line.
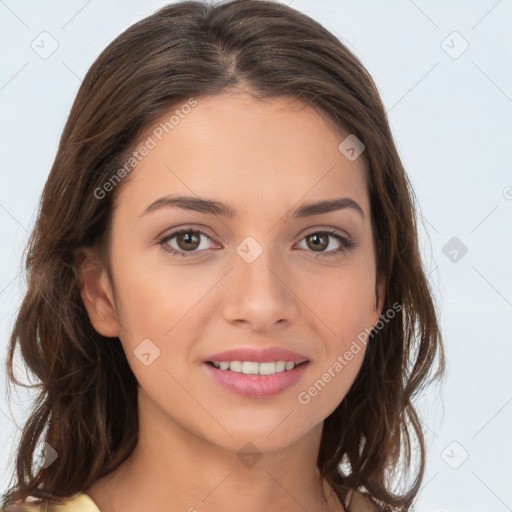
point(226, 304)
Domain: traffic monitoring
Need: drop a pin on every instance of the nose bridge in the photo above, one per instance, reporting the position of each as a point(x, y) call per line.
point(257, 266)
point(261, 295)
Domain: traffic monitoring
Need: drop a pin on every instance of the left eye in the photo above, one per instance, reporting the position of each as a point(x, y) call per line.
point(189, 241)
point(344, 241)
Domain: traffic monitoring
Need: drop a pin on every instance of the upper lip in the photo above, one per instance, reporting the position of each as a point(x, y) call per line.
point(265, 355)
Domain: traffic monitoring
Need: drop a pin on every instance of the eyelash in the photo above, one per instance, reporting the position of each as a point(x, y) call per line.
point(346, 242)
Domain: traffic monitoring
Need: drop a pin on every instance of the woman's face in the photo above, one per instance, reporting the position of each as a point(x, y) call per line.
point(266, 275)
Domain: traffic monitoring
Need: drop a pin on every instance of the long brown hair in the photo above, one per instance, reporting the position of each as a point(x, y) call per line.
point(86, 409)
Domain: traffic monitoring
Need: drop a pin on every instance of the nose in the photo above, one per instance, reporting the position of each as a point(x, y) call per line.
point(260, 294)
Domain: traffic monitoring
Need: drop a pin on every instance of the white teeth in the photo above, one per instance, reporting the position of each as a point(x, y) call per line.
point(267, 368)
point(235, 366)
point(250, 368)
point(254, 368)
point(280, 366)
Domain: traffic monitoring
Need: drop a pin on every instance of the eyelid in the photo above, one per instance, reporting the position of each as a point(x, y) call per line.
point(328, 229)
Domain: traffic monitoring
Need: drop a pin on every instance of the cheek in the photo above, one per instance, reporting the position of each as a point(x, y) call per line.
point(341, 310)
point(155, 306)
point(153, 299)
point(162, 311)
point(342, 301)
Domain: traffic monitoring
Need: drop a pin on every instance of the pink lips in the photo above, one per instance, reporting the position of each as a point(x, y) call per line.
point(257, 386)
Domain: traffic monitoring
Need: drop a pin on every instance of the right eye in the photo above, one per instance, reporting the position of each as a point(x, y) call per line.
point(184, 237)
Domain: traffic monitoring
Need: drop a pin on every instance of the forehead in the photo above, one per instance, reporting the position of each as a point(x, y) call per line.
point(241, 150)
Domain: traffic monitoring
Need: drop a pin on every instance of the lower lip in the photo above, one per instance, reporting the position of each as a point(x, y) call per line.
point(257, 386)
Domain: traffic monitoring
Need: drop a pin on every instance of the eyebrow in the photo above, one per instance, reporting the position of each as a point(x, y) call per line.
point(218, 208)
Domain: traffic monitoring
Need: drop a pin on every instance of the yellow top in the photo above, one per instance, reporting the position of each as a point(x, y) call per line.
point(355, 502)
point(76, 503)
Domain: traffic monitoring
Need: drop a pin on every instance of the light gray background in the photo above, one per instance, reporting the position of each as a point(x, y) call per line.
point(451, 118)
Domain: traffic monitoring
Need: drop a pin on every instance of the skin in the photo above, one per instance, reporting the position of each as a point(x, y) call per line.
point(265, 159)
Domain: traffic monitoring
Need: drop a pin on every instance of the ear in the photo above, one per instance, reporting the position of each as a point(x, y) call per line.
point(96, 291)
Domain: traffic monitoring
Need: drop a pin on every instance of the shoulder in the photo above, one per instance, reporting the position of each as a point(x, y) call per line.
point(76, 503)
point(356, 501)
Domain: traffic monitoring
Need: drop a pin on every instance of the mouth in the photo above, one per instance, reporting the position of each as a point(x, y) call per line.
point(253, 379)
